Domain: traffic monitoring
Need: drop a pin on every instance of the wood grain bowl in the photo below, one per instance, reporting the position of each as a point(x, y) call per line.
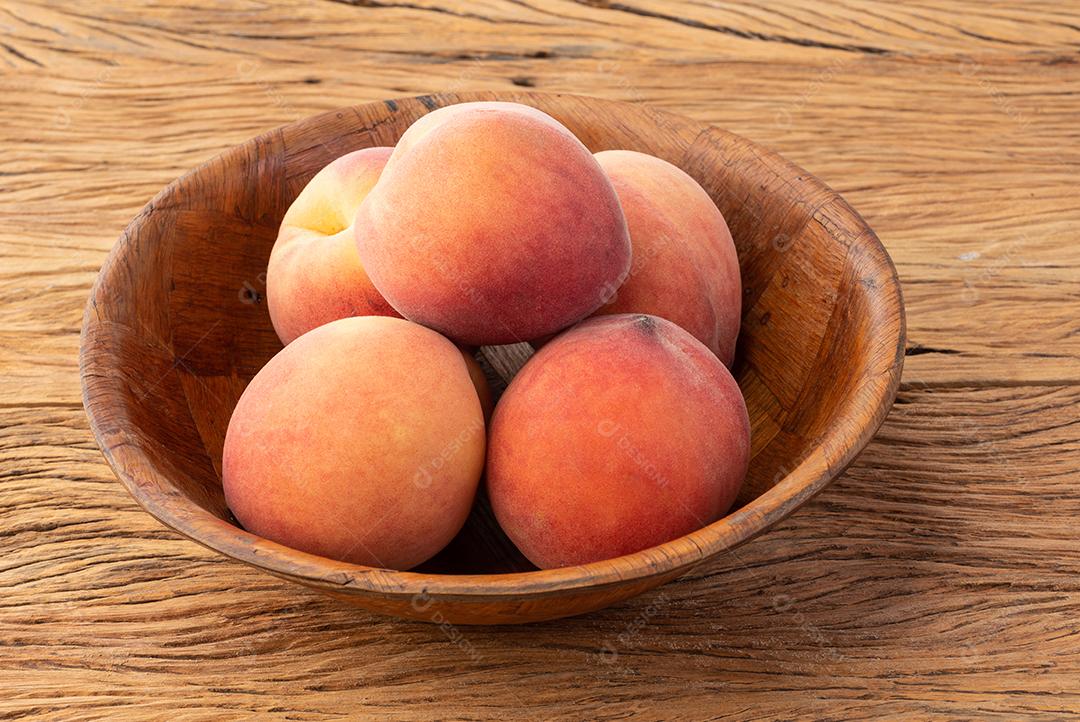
point(177, 324)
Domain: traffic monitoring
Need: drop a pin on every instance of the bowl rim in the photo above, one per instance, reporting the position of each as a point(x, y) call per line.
point(865, 408)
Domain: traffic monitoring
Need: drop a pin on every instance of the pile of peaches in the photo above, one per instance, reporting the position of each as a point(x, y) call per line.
point(367, 437)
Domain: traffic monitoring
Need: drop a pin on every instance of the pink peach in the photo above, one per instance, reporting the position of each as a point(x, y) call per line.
point(685, 267)
point(620, 434)
point(493, 224)
point(314, 275)
point(363, 441)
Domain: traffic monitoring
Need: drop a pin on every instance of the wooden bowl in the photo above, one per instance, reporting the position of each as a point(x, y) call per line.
point(177, 325)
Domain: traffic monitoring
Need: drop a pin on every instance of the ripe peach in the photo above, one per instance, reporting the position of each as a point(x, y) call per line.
point(493, 224)
point(620, 434)
point(685, 267)
point(363, 440)
point(314, 275)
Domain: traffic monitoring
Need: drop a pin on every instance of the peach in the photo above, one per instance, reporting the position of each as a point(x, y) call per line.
point(362, 440)
point(620, 434)
point(493, 224)
point(685, 268)
point(314, 275)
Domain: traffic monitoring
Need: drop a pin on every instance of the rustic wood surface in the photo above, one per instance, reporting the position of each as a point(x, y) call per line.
point(939, 577)
point(820, 351)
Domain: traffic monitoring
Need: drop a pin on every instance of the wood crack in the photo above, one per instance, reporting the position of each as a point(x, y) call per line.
point(735, 32)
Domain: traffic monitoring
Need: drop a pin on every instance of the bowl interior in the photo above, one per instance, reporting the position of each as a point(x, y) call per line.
point(178, 322)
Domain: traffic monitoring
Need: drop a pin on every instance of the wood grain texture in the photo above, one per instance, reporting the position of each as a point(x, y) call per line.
point(936, 578)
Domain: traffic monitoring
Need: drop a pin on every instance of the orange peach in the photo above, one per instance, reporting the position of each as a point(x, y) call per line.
point(493, 224)
point(363, 441)
point(685, 268)
point(620, 434)
point(314, 275)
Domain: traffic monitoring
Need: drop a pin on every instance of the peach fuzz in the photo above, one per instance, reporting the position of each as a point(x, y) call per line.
point(685, 267)
point(314, 275)
point(620, 434)
point(493, 224)
point(363, 441)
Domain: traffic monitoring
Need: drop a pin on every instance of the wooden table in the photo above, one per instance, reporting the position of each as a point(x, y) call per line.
point(939, 577)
